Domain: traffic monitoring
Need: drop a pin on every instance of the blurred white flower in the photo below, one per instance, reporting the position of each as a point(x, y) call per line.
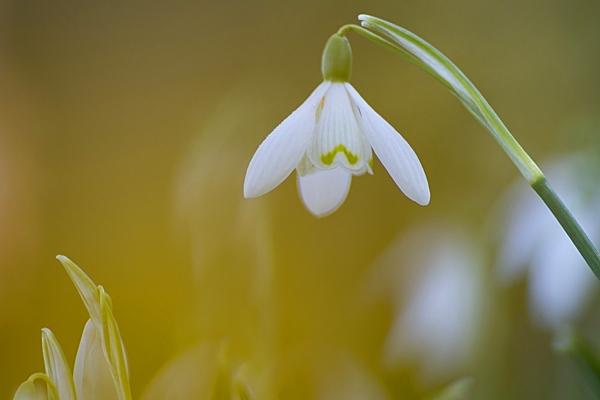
point(434, 278)
point(330, 138)
point(560, 282)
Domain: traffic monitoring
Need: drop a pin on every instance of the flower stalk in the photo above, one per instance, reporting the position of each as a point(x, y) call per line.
point(420, 53)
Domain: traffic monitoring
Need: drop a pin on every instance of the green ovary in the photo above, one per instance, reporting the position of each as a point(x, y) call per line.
point(328, 158)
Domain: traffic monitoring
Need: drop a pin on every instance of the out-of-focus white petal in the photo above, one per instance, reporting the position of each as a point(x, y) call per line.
point(395, 153)
point(338, 137)
point(57, 368)
point(438, 323)
point(324, 191)
point(560, 284)
point(524, 228)
point(283, 149)
point(93, 380)
point(433, 276)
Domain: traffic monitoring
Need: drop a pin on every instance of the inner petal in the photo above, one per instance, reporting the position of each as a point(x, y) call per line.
point(338, 137)
point(324, 191)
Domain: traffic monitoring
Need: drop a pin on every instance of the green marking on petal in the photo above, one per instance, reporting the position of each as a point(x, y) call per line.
point(328, 158)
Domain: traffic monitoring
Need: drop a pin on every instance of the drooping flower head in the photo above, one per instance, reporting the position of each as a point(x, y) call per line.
point(330, 138)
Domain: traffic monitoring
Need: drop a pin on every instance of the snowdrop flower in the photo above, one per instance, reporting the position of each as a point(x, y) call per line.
point(433, 277)
point(330, 138)
point(560, 283)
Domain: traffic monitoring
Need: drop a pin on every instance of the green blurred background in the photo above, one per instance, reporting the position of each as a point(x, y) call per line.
point(126, 129)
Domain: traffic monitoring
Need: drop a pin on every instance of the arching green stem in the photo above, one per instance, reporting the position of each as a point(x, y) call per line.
point(420, 53)
point(402, 53)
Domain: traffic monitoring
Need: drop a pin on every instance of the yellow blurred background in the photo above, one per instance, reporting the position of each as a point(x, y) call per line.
point(125, 132)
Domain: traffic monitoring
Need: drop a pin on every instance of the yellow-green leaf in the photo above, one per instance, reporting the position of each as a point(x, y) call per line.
point(113, 345)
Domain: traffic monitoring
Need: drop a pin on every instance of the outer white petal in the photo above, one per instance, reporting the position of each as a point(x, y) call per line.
point(395, 153)
point(324, 191)
point(93, 380)
point(283, 149)
point(57, 368)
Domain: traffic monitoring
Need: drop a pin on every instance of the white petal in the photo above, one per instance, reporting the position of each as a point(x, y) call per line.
point(283, 149)
point(324, 191)
point(395, 153)
point(338, 138)
point(93, 380)
point(57, 368)
point(113, 347)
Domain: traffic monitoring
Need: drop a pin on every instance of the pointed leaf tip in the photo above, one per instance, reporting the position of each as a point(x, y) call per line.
point(86, 288)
